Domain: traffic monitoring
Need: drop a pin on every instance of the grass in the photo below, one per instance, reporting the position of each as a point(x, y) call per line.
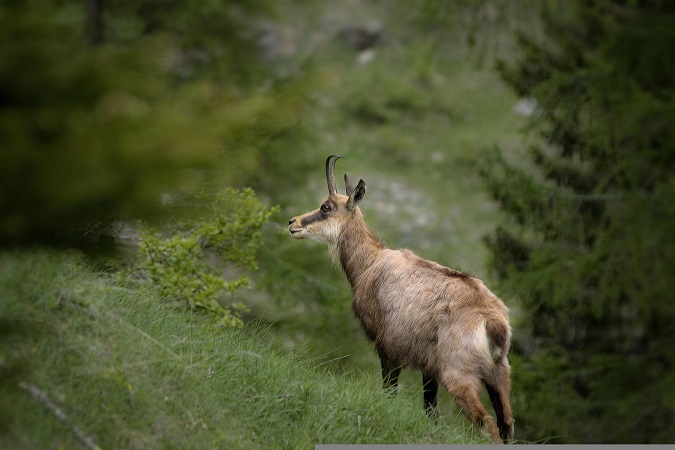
point(130, 370)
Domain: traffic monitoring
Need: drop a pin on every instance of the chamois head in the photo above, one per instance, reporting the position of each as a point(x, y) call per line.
point(325, 223)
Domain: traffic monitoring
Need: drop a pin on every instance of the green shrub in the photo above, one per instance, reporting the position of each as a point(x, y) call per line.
point(188, 259)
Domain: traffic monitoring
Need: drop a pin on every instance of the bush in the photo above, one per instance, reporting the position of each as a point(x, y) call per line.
point(188, 259)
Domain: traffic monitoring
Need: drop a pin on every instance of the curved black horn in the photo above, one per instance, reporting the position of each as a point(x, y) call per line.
point(330, 173)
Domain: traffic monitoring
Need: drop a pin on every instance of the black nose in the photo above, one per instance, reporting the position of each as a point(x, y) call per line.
point(290, 222)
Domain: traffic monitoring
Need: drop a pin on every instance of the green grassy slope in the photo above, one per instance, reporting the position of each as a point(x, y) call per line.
point(127, 369)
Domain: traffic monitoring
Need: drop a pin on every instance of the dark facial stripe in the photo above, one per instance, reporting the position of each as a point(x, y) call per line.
point(316, 217)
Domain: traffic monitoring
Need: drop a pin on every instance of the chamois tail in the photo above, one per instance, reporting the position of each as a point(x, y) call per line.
point(499, 335)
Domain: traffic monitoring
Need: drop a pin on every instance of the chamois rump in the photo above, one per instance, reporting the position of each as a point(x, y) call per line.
point(419, 314)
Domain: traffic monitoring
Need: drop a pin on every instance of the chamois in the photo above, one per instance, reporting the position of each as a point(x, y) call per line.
point(419, 314)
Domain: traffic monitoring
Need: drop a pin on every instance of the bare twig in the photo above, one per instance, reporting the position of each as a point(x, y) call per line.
point(332, 360)
point(142, 333)
point(94, 312)
point(43, 399)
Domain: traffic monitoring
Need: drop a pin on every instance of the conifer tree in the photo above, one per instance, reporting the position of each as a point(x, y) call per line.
point(588, 255)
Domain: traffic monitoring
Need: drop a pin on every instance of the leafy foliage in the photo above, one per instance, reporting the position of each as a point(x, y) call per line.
point(589, 250)
point(178, 260)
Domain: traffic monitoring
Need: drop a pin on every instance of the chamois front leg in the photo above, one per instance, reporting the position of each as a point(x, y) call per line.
point(390, 373)
point(430, 396)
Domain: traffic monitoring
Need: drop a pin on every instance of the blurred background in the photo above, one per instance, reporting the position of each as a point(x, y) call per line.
point(529, 143)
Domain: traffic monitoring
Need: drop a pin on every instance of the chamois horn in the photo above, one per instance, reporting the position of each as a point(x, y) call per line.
point(330, 173)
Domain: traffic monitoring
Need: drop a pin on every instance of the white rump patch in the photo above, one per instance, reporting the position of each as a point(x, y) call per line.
point(480, 341)
point(483, 345)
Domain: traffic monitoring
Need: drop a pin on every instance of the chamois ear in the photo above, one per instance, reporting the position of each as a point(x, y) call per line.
point(348, 186)
point(356, 195)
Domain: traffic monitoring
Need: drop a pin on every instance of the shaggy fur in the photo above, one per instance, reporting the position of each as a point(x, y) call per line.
point(419, 314)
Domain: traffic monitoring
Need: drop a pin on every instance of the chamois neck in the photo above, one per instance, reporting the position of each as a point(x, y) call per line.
point(357, 248)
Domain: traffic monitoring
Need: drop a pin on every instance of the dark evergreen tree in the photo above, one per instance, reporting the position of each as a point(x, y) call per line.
point(106, 105)
point(588, 257)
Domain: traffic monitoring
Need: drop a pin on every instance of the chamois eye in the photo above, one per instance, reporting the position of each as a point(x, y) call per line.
point(326, 207)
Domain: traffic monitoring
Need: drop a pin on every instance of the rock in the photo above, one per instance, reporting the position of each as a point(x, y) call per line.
point(362, 37)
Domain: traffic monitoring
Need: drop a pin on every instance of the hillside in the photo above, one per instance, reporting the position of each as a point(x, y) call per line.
point(89, 360)
point(144, 144)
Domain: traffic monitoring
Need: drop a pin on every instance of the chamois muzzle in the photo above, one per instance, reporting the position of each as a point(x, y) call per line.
point(295, 228)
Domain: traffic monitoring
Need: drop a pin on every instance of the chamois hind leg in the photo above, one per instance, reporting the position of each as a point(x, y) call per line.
point(430, 396)
point(499, 389)
point(390, 373)
point(465, 390)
